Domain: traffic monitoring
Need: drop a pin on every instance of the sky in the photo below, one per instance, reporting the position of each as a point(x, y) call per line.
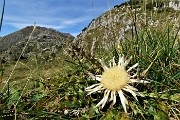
point(69, 16)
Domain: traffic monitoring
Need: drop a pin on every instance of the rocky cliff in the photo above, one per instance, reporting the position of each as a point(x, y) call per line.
point(123, 22)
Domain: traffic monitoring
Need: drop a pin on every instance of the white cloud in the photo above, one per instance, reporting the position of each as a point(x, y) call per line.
point(49, 23)
point(25, 13)
point(74, 34)
point(63, 15)
point(74, 21)
point(22, 25)
point(19, 25)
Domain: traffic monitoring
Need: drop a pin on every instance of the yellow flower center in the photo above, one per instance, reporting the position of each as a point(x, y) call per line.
point(114, 78)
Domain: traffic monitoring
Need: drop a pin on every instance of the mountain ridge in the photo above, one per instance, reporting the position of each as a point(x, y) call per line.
point(47, 39)
point(119, 23)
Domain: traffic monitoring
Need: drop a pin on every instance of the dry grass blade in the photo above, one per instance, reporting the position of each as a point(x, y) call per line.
point(8, 80)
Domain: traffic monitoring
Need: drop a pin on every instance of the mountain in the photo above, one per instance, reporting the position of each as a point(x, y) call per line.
point(123, 22)
point(141, 30)
point(43, 42)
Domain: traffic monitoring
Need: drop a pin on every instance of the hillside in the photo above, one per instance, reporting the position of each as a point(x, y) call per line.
point(44, 42)
point(123, 21)
point(124, 65)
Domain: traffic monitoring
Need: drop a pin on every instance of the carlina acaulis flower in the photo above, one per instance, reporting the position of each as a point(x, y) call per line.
point(115, 80)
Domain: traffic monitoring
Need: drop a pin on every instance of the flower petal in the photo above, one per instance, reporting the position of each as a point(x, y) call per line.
point(133, 76)
point(114, 97)
point(123, 100)
point(131, 88)
point(86, 89)
point(114, 63)
point(98, 77)
point(111, 98)
point(138, 81)
point(98, 88)
point(103, 64)
point(110, 64)
point(100, 102)
point(135, 65)
point(127, 61)
point(121, 61)
point(106, 95)
point(132, 92)
point(103, 101)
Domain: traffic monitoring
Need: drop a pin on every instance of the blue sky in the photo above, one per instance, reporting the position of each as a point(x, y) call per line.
point(69, 16)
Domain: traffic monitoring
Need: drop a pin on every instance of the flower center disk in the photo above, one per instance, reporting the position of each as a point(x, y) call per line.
point(114, 78)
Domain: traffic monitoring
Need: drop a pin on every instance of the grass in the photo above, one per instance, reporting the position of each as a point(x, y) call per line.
point(55, 89)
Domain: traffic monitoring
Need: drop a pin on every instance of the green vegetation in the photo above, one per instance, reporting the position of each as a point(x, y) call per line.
point(54, 89)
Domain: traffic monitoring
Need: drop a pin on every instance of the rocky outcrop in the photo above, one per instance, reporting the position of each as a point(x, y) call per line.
point(124, 20)
point(44, 43)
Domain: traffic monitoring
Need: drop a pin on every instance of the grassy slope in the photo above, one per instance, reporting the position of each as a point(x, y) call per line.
point(55, 86)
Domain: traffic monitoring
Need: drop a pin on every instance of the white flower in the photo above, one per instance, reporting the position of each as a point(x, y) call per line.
point(66, 112)
point(115, 80)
